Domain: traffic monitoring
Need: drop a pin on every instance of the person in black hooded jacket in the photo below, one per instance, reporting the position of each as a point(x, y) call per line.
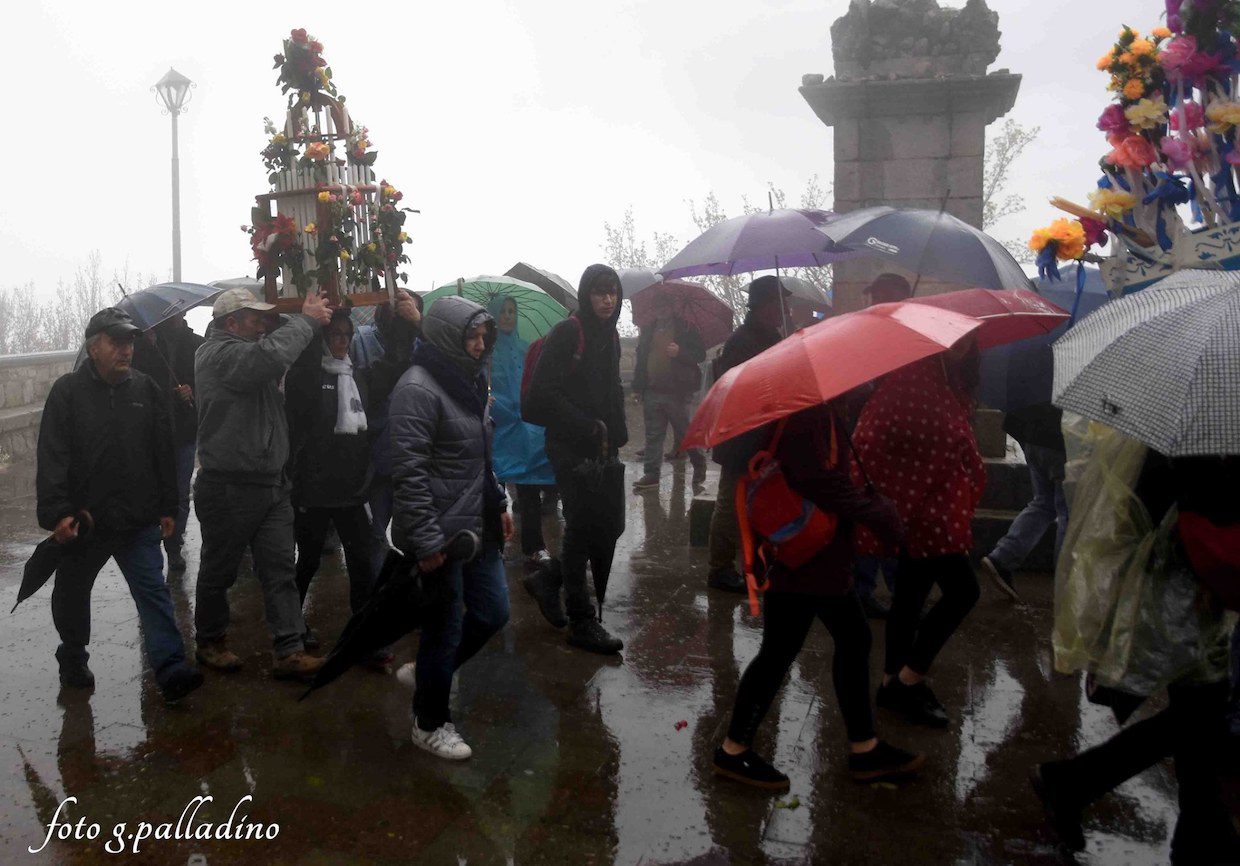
point(575, 393)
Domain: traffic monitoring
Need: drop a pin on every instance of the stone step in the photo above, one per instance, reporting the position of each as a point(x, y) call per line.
point(989, 525)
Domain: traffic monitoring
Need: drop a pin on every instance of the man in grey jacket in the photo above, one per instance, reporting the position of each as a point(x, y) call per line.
point(241, 493)
point(443, 484)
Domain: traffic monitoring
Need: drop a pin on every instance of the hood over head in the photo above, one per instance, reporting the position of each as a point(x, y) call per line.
point(446, 324)
point(594, 276)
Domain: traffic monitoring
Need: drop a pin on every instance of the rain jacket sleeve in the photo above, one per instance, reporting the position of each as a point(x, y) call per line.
point(412, 421)
point(244, 365)
point(549, 397)
point(55, 442)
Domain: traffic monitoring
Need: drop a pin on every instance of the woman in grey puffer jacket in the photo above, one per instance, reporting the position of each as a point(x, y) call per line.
point(443, 483)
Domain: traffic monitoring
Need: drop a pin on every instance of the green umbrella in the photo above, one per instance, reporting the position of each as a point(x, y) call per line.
point(537, 311)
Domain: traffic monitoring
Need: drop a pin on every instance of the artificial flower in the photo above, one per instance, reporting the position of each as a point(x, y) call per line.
point(1113, 120)
point(325, 196)
point(305, 96)
point(1134, 89)
point(1113, 203)
point(1095, 232)
point(1128, 58)
point(1179, 153)
point(309, 229)
point(371, 246)
point(1105, 61)
point(1160, 33)
point(300, 37)
point(1193, 115)
point(279, 138)
point(403, 237)
point(1068, 237)
point(344, 255)
point(317, 151)
point(316, 46)
point(1181, 59)
point(1147, 113)
point(1133, 152)
point(1141, 47)
point(1223, 114)
point(356, 198)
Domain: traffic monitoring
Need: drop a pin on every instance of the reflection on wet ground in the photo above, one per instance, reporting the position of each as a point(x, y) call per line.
point(577, 759)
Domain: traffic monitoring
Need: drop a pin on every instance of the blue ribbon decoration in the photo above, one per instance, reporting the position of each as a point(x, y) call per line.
point(1080, 289)
point(1172, 190)
point(1048, 266)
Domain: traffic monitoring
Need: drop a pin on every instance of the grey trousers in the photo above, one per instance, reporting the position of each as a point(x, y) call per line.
point(234, 517)
point(660, 412)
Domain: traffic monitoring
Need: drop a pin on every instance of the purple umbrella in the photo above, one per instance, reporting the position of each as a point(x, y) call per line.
point(783, 238)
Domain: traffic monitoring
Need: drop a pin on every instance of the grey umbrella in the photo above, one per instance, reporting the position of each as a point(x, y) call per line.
point(929, 242)
point(560, 289)
point(1161, 365)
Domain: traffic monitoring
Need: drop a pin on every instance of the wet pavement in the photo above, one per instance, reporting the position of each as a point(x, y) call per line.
point(577, 759)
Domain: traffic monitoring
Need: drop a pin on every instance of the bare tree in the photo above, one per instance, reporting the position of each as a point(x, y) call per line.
point(1003, 148)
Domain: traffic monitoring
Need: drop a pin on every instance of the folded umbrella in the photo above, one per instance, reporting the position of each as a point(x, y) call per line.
point(1161, 366)
point(46, 558)
point(560, 289)
point(599, 511)
point(692, 303)
point(821, 362)
point(537, 311)
point(393, 610)
point(928, 242)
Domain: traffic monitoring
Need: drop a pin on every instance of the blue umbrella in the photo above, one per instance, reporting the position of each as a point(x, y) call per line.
point(156, 304)
point(1020, 374)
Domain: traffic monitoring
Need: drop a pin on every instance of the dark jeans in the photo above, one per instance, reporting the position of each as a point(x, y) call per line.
point(529, 513)
point(451, 635)
point(914, 641)
point(310, 527)
point(581, 544)
point(787, 618)
point(865, 574)
point(1192, 729)
point(185, 473)
point(138, 555)
point(234, 517)
point(1048, 506)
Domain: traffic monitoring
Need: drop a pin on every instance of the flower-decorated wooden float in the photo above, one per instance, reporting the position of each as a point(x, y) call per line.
point(328, 223)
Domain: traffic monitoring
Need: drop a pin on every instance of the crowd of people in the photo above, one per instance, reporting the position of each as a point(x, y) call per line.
point(427, 420)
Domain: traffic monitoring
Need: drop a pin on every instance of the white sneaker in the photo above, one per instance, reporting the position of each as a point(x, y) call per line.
point(405, 675)
point(444, 741)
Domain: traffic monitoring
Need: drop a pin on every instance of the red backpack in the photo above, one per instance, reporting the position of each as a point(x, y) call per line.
point(777, 524)
point(535, 352)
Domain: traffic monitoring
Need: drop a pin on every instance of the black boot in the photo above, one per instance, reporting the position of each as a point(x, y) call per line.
point(544, 587)
point(589, 635)
point(76, 675)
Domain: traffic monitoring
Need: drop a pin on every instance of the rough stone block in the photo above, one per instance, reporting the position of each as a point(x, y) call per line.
point(912, 137)
point(964, 176)
point(914, 178)
point(847, 182)
point(13, 395)
point(28, 392)
point(846, 141)
point(968, 135)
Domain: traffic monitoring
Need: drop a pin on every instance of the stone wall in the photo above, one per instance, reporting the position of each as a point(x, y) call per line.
point(24, 383)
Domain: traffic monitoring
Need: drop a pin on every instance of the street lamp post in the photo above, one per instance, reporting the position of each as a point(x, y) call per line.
point(173, 93)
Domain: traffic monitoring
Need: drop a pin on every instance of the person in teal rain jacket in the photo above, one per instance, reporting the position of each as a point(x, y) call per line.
point(519, 455)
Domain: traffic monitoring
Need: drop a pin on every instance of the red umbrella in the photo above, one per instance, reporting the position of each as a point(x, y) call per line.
point(1007, 315)
point(822, 362)
point(692, 303)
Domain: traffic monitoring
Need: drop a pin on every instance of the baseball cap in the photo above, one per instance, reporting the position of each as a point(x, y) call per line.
point(112, 321)
point(238, 299)
point(765, 289)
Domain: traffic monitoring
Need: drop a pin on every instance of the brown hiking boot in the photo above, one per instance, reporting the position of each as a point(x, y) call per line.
point(297, 666)
point(216, 655)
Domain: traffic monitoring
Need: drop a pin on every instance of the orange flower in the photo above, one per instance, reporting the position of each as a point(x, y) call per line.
point(317, 150)
point(1128, 58)
point(1160, 33)
point(1105, 61)
point(1134, 89)
point(1141, 47)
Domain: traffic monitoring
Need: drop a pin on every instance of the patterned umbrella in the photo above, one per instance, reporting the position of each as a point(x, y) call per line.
point(692, 303)
point(1161, 365)
point(537, 311)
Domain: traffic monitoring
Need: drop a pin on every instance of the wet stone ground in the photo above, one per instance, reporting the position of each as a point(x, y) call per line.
point(577, 759)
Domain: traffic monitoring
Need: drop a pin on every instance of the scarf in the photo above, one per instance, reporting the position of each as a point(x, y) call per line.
point(350, 415)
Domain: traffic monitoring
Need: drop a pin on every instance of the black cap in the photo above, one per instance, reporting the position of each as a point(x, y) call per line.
point(112, 321)
point(764, 290)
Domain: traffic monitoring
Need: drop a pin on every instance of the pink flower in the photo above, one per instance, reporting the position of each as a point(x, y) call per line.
point(1095, 232)
point(1133, 152)
point(1113, 121)
point(1179, 153)
point(1182, 61)
point(1192, 113)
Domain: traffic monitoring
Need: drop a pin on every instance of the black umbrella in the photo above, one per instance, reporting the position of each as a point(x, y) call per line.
point(46, 558)
point(553, 284)
point(394, 610)
point(599, 510)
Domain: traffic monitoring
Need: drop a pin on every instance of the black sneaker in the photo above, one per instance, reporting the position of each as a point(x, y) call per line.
point(180, 683)
point(1064, 816)
point(749, 769)
point(176, 562)
point(1000, 577)
point(728, 579)
point(916, 703)
point(544, 587)
point(76, 675)
point(884, 761)
point(590, 635)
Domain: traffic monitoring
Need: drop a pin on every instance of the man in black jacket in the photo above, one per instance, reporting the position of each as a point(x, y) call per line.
point(105, 448)
point(759, 332)
point(667, 376)
point(576, 394)
point(166, 354)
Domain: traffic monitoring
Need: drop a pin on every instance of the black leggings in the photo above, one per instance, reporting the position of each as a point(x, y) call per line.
point(529, 512)
point(788, 617)
point(912, 640)
point(310, 527)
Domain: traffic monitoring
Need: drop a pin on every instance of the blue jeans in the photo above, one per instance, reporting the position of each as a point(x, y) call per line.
point(141, 562)
point(185, 472)
point(452, 635)
point(865, 574)
point(1046, 470)
point(380, 516)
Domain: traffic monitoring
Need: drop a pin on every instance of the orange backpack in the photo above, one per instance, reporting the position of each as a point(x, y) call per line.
point(777, 524)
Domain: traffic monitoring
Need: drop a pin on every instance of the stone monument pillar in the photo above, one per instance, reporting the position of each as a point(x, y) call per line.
point(909, 102)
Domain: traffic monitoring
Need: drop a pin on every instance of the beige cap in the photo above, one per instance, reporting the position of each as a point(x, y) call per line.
point(238, 299)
